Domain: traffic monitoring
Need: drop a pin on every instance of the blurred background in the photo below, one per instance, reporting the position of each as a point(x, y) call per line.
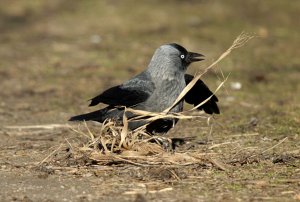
point(57, 54)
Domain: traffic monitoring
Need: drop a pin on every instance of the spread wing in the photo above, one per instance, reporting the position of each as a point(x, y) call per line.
point(198, 94)
point(132, 92)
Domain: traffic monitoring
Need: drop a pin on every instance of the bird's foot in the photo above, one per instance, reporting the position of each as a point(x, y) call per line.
point(164, 142)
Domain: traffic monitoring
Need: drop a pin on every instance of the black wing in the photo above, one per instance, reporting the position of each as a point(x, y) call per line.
point(128, 94)
point(198, 94)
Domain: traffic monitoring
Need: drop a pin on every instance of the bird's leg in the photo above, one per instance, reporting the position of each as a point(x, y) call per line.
point(165, 142)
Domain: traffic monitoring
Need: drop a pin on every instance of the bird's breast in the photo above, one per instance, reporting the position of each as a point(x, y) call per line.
point(165, 94)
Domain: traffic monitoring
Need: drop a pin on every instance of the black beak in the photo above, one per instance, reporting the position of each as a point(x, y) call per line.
point(194, 57)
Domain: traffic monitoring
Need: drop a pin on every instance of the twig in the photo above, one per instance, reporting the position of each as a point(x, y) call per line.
point(218, 164)
point(131, 162)
point(221, 144)
point(242, 39)
point(276, 145)
point(174, 174)
point(245, 135)
point(71, 147)
point(207, 99)
point(52, 153)
point(46, 126)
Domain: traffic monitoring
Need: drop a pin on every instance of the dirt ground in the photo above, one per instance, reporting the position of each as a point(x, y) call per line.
point(55, 55)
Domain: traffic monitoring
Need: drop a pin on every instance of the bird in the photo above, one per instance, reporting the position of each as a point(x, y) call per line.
point(154, 90)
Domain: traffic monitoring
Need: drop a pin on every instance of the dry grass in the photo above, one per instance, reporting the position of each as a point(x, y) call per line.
point(112, 143)
point(112, 146)
point(115, 144)
point(241, 40)
point(42, 45)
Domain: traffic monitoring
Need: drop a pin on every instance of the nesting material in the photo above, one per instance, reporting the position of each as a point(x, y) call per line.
point(113, 144)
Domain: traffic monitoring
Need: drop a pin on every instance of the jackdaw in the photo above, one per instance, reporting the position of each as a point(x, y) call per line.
point(154, 90)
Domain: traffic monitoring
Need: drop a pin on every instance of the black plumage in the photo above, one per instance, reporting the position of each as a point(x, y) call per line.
point(155, 89)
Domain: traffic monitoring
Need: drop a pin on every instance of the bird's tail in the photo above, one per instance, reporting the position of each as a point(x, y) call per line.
point(99, 115)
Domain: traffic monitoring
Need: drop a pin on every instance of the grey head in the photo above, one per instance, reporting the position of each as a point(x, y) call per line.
point(172, 58)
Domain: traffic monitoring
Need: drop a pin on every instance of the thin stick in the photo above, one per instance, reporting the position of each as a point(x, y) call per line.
point(46, 126)
point(218, 164)
point(52, 153)
point(207, 99)
point(276, 145)
point(221, 144)
point(174, 174)
point(242, 39)
point(124, 131)
point(131, 162)
point(69, 144)
point(90, 133)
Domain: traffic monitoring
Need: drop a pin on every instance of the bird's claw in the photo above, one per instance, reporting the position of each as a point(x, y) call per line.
point(166, 143)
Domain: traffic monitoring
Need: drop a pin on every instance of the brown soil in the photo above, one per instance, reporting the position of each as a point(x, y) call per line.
point(55, 55)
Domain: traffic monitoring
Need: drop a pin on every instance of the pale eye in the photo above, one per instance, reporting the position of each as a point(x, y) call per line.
point(182, 56)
